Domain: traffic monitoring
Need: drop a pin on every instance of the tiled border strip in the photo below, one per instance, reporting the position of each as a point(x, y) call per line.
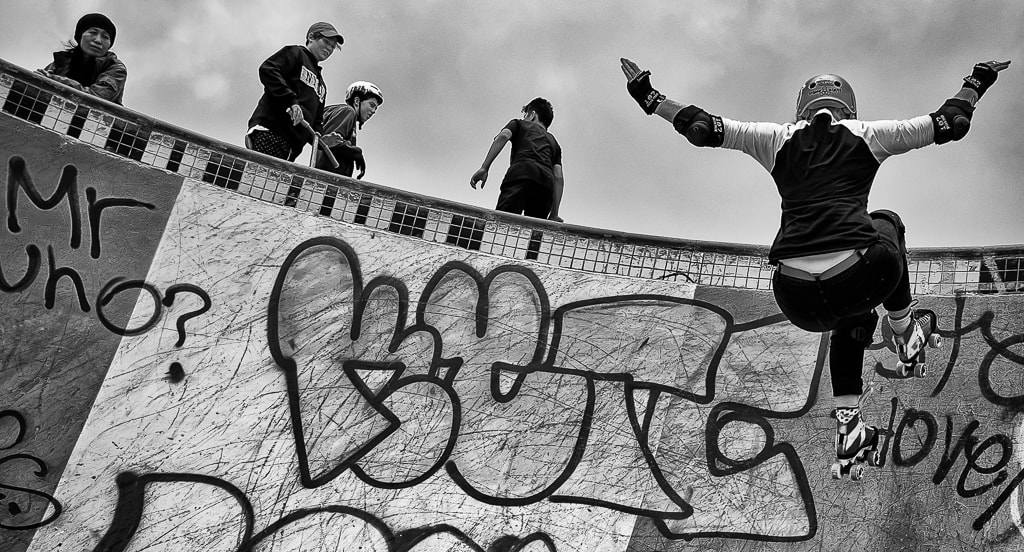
point(115, 129)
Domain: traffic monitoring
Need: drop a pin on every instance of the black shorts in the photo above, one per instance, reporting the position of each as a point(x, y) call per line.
point(526, 190)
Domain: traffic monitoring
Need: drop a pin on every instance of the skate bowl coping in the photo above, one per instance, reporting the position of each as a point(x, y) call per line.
point(163, 146)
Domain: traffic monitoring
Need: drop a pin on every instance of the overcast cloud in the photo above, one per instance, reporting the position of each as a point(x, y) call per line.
point(454, 72)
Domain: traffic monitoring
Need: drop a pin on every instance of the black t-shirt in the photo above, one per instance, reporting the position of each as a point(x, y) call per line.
point(534, 150)
point(823, 170)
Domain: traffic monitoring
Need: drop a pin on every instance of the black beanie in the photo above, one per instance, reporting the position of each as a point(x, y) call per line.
point(91, 20)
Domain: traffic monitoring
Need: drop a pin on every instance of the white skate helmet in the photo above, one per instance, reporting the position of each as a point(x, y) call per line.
point(826, 90)
point(363, 89)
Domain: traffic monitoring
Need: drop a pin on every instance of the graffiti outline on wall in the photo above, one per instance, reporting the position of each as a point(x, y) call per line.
point(506, 380)
point(445, 370)
point(16, 500)
point(388, 356)
point(130, 513)
point(969, 445)
point(19, 178)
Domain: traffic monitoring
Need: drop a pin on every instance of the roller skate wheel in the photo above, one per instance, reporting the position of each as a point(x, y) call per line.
point(901, 369)
point(856, 472)
point(935, 341)
point(919, 370)
point(874, 458)
point(837, 472)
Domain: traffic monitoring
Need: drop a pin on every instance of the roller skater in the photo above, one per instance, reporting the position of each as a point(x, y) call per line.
point(835, 261)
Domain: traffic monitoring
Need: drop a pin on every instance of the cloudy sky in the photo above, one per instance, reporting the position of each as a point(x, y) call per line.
point(455, 71)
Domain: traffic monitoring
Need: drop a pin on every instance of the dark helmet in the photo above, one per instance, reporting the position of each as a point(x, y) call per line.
point(826, 90)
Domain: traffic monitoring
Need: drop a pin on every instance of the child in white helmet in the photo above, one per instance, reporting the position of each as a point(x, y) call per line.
point(341, 123)
point(835, 261)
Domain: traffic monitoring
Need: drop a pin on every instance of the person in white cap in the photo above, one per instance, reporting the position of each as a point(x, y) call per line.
point(293, 91)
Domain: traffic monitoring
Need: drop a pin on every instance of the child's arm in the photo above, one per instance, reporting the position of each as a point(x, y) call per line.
point(492, 153)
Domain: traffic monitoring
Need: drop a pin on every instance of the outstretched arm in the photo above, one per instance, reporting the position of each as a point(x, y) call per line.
point(953, 119)
point(699, 127)
point(492, 153)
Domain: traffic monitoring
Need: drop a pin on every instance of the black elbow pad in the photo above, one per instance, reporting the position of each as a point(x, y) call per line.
point(699, 127)
point(952, 120)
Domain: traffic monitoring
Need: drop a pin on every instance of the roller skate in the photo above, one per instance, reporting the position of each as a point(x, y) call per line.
point(856, 443)
point(911, 343)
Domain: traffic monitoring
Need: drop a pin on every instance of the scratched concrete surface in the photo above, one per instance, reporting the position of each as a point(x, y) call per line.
point(291, 382)
point(62, 301)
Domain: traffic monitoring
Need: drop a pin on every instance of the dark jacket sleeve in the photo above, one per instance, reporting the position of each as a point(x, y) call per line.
point(274, 74)
point(339, 118)
point(109, 84)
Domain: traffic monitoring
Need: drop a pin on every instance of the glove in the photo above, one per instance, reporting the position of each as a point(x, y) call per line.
point(360, 164)
point(982, 77)
point(639, 87)
point(345, 152)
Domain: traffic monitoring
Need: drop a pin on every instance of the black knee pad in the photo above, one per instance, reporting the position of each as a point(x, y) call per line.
point(859, 330)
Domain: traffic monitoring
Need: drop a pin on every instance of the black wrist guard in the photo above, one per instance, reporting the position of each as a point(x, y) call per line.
point(640, 88)
point(981, 78)
point(952, 121)
point(700, 128)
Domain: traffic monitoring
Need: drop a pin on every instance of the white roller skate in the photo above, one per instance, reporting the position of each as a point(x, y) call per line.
point(856, 443)
point(910, 344)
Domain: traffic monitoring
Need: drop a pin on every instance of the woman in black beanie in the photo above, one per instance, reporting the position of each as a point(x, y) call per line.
point(87, 63)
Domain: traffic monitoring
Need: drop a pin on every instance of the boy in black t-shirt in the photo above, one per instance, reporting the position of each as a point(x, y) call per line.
point(533, 183)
